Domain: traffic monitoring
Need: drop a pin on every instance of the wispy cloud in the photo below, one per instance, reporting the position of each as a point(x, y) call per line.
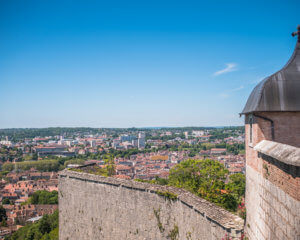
point(230, 67)
point(226, 94)
point(236, 89)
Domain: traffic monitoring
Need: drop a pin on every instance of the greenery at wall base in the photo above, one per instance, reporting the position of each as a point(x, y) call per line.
point(44, 229)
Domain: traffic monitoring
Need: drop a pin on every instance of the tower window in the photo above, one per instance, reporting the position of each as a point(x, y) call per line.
point(250, 129)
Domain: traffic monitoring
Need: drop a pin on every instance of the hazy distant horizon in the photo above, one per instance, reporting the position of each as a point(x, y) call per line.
point(127, 127)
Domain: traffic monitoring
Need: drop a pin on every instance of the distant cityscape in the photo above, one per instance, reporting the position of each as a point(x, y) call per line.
point(31, 158)
point(144, 154)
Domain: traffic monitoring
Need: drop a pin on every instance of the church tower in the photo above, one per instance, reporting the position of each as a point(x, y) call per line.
point(272, 138)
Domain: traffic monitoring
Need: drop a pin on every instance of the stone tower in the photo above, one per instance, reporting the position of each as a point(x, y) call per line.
point(272, 129)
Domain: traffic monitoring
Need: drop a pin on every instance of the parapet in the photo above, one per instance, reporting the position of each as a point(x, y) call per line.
point(230, 223)
point(285, 153)
point(272, 192)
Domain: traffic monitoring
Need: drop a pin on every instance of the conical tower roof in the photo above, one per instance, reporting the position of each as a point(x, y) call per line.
point(280, 91)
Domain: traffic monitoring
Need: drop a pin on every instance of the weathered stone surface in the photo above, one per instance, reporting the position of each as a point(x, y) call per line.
point(282, 152)
point(96, 207)
point(273, 176)
point(271, 213)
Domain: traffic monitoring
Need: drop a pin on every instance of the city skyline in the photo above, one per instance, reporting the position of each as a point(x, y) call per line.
point(137, 64)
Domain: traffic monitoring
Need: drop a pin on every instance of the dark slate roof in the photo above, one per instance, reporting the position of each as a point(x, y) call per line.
point(280, 91)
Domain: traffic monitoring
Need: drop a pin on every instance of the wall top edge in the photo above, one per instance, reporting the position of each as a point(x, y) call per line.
point(221, 216)
point(282, 152)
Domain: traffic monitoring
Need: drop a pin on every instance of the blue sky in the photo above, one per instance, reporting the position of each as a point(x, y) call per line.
point(137, 63)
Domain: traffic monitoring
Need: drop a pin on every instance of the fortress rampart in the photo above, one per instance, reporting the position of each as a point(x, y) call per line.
point(96, 207)
point(272, 192)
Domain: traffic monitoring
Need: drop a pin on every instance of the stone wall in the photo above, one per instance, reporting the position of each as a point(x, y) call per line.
point(273, 177)
point(271, 212)
point(286, 128)
point(96, 207)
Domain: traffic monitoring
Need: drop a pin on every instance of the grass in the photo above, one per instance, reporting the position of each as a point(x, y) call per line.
point(91, 170)
point(168, 195)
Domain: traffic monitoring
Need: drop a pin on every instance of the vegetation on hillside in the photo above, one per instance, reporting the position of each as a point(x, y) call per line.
point(45, 229)
point(41, 165)
point(3, 216)
point(208, 179)
point(44, 197)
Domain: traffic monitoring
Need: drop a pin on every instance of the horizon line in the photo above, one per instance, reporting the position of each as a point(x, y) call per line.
point(224, 126)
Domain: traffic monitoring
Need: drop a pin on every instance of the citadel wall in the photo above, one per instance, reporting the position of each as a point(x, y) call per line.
point(96, 207)
point(273, 177)
point(286, 128)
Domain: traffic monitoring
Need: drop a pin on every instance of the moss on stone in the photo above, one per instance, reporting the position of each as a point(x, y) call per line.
point(91, 170)
point(159, 224)
point(173, 234)
point(168, 195)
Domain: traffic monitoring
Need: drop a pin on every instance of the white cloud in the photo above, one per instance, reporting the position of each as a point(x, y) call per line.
point(223, 95)
point(236, 89)
point(230, 67)
point(226, 93)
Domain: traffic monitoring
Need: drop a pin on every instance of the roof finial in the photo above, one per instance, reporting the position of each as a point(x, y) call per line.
point(297, 33)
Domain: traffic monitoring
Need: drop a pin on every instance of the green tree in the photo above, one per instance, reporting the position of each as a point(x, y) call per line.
point(198, 176)
point(2, 213)
point(34, 156)
point(161, 181)
point(44, 229)
point(44, 197)
point(46, 237)
point(54, 234)
point(205, 178)
point(110, 165)
point(42, 165)
point(30, 234)
point(6, 201)
point(7, 167)
point(237, 184)
point(228, 201)
point(4, 223)
point(44, 224)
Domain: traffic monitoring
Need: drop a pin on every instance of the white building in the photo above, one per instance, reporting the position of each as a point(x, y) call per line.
point(186, 134)
point(198, 133)
point(6, 142)
point(141, 140)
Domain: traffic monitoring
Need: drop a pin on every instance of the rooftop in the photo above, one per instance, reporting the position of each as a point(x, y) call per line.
point(280, 91)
